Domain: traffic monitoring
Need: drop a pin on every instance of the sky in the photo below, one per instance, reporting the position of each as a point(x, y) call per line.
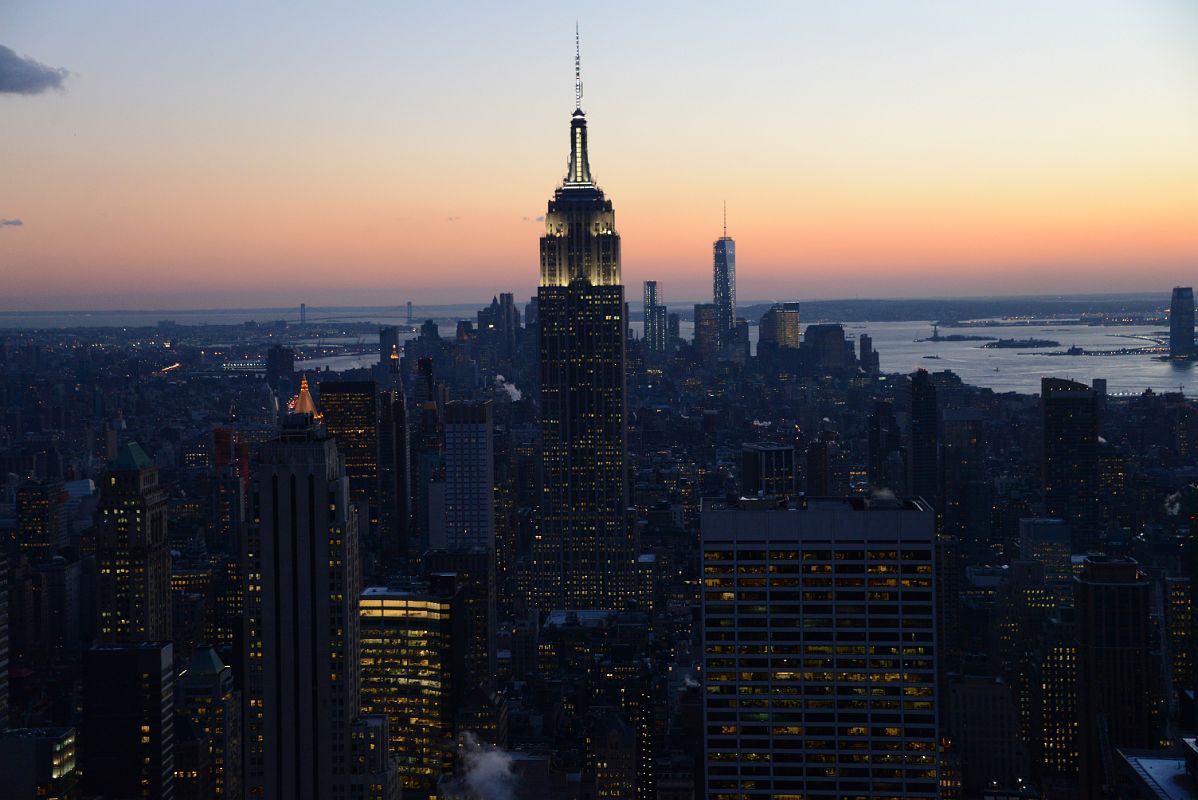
point(231, 154)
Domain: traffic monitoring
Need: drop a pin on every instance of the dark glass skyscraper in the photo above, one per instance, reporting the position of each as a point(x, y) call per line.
point(1181, 323)
point(1070, 479)
point(724, 281)
point(582, 555)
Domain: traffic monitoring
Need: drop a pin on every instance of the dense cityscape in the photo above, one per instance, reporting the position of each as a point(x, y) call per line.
point(589, 544)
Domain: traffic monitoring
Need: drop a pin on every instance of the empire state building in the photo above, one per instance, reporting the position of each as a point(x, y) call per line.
point(583, 553)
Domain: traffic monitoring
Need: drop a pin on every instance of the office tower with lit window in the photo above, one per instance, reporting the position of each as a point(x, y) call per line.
point(1070, 458)
point(724, 281)
point(779, 328)
point(655, 319)
point(767, 469)
point(583, 552)
point(469, 476)
point(207, 696)
point(302, 687)
point(1055, 745)
point(819, 650)
point(407, 661)
point(39, 762)
point(1050, 542)
point(351, 416)
point(1117, 698)
point(707, 331)
point(41, 519)
point(127, 734)
point(133, 551)
point(1181, 323)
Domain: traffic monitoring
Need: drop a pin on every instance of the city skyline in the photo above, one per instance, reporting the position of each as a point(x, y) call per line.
point(288, 158)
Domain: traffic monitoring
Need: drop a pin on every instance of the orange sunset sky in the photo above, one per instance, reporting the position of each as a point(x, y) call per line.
point(209, 155)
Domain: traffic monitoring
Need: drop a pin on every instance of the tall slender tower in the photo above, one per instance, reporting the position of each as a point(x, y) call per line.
point(724, 281)
point(582, 556)
point(1181, 323)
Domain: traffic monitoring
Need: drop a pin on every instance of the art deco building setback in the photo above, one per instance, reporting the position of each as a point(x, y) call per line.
point(583, 553)
point(819, 652)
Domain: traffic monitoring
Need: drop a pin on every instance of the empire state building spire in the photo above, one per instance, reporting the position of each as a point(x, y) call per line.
point(583, 555)
point(579, 173)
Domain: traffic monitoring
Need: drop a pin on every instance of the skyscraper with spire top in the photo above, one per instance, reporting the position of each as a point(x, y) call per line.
point(583, 553)
point(724, 281)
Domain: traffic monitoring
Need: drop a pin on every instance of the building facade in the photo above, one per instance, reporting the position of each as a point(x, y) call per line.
point(302, 692)
point(1181, 323)
point(582, 552)
point(469, 476)
point(724, 282)
point(819, 649)
point(133, 552)
point(655, 319)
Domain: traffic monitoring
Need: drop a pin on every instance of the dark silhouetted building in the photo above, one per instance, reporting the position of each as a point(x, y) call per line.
point(302, 692)
point(923, 471)
point(767, 469)
point(388, 343)
point(1117, 691)
point(1070, 458)
point(707, 331)
point(280, 368)
point(127, 737)
point(582, 554)
point(1181, 323)
point(469, 476)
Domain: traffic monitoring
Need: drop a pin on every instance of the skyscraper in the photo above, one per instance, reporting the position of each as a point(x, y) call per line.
point(707, 331)
point(351, 416)
point(779, 328)
point(302, 672)
point(407, 651)
point(1116, 671)
point(1181, 323)
point(815, 686)
point(133, 552)
point(207, 696)
point(582, 554)
point(388, 342)
point(1070, 457)
point(655, 319)
point(724, 280)
point(41, 519)
point(924, 471)
point(127, 737)
point(3, 641)
point(469, 476)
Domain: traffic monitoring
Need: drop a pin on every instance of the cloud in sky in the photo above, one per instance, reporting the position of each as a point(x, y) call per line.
point(23, 75)
point(10, 223)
